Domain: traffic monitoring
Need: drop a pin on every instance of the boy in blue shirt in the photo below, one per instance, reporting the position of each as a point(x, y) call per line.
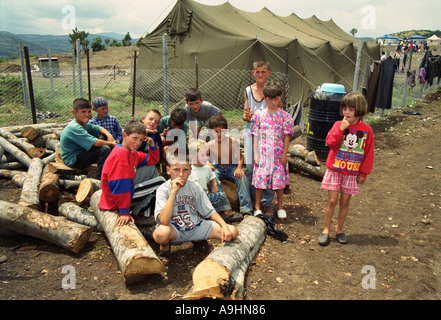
point(79, 146)
point(104, 119)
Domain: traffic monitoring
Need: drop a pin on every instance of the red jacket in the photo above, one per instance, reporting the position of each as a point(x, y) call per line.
point(117, 176)
point(352, 151)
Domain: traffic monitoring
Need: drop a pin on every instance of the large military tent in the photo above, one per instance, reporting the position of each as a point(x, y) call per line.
point(226, 38)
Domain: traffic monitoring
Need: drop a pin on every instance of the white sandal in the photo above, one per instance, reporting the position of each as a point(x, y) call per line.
point(281, 214)
point(257, 213)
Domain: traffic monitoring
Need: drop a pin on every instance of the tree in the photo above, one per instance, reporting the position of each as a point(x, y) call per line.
point(78, 34)
point(97, 44)
point(353, 31)
point(107, 41)
point(126, 40)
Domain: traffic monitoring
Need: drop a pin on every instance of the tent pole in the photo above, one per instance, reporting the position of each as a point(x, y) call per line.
point(165, 74)
point(285, 79)
point(196, 65)
point(357, 66)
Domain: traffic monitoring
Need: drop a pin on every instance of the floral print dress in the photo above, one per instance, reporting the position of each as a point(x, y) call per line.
point(269, 129)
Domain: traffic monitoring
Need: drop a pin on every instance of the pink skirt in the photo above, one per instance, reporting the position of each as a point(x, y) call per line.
point(334, 180)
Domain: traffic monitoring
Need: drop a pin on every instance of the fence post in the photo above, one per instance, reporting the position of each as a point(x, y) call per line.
point(357, 66)
point(51, 74)
point(88, 75)
point(406, 78)
point(73, 70)
point(31, 88)
point(80, 76)
point(134, 87)
point(165, 83)
point(23, 76)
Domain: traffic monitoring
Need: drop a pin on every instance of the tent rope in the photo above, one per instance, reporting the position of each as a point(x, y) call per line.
point(166, 9)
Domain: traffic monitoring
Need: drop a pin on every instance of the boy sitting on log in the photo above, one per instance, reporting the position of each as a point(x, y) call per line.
point(183, 211)
point(126, 167)
point(79, 148)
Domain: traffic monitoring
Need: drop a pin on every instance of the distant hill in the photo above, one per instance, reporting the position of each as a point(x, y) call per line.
point(38, 44)
point(424, 33)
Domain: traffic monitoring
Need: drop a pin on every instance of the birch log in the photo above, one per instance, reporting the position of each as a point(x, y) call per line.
point(212, 277)
point(19, 155)
point(307, 156)
point(30, 149)
point(54, 229)
point(75, 213)
point(29, 193)
point(86, 188)
point(298, 163)
point(16, 176)
point(49, 190)
point(135, 257)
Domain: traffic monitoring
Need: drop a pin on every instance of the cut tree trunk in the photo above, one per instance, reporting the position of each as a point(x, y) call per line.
point(135, 257)
point(69, 184)
point(57, 230)
point(212, 277)
point(31, 133)
point(30, 149)
point(16, 176)
point(53, 144)
point(49, 187)
point(308, 156)
point(79, 215)
point(86, 189)
point(13, 166)
point(316, 172)
point(19, 155)
point(29, 193)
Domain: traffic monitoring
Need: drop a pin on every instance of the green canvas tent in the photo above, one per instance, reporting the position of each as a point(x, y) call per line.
point(226, 38)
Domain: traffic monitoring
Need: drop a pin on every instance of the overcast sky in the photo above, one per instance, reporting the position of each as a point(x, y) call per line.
point(371, 18)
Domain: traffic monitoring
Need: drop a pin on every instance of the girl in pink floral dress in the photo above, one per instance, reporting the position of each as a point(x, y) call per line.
point(271, 129)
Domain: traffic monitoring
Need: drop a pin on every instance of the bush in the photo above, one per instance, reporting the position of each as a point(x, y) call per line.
point(10, 89)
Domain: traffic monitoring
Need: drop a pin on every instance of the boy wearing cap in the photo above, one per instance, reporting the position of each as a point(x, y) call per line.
point(105, 120)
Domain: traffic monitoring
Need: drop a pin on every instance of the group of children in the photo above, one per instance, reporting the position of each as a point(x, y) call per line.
point(192, 205)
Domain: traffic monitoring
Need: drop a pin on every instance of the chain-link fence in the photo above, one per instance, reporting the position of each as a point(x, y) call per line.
point(110, 74)
point(54, 92)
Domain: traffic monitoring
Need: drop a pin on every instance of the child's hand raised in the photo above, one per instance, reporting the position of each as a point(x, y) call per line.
point(176, 184)
point(150, 141)
point(344, 124)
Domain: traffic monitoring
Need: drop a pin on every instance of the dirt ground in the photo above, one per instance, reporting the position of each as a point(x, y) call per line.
point(392, 228)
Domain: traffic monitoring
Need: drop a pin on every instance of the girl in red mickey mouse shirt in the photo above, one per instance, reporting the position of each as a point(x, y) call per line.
point(350, 160)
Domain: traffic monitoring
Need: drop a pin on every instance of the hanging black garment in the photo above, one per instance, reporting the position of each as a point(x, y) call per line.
point(384, 99)
point(371, 84)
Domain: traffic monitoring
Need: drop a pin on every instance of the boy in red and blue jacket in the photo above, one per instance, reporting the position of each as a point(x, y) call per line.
point(122, 166)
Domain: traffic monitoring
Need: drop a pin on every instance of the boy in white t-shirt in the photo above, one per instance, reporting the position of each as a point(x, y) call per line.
point(183, 211)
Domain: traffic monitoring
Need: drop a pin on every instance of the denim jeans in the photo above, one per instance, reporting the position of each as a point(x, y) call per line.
point(243, 186)
point(219, 201)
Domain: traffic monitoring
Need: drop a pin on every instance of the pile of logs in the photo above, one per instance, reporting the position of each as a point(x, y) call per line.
point(29, 156)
